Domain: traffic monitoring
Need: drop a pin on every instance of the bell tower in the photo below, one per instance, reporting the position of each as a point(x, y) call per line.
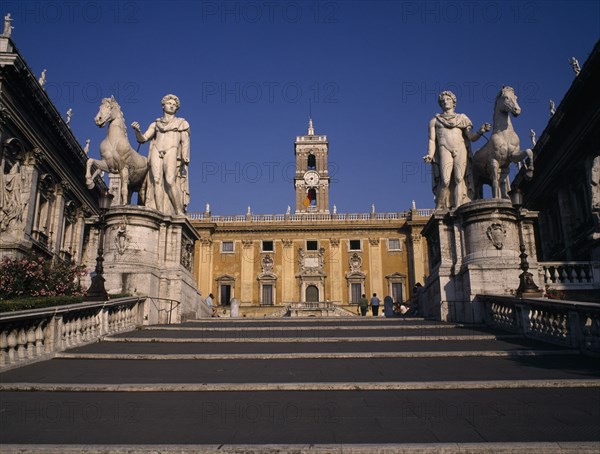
point(311, 181)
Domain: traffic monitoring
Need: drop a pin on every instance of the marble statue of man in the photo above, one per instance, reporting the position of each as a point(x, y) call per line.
point(7, 27)
point(450, 138)
point(575, 65)
point(168, 158)
point(42, 79)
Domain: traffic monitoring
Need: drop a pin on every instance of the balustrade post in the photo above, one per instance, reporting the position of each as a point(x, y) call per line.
point(575, 332)
point(12, 345)
point(39, 338)
point(30, 334)
point(3, 347)
point(522, 318)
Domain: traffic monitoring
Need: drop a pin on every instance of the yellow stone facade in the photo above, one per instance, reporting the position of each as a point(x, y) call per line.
point(310, 255)
point(248, 253)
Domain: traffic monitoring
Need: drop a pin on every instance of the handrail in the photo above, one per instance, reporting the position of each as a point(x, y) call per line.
point(37, 334)
point(569, 323)
point(54, 310)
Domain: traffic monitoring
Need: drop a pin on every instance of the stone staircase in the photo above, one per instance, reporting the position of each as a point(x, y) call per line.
point(343, 384)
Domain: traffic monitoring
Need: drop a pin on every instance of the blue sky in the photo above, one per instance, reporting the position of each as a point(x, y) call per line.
point(246, 70)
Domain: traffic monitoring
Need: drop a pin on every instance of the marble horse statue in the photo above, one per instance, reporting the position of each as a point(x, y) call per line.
point(116, 154)
point(491, 163)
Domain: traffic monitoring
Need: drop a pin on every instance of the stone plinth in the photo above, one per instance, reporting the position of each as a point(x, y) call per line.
point(149, 253)
point(474, 250)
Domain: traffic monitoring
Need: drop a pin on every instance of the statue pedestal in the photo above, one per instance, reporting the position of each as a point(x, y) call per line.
point(474, 250)
point(150, 253)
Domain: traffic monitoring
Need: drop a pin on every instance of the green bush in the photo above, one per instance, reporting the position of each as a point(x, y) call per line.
point(22, 304)
point(36, 276)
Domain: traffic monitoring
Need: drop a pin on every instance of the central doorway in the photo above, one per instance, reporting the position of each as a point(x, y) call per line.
point(312, 294)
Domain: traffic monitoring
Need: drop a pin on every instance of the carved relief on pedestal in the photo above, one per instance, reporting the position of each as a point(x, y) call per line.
point(496, 234)
point(122, 239)
point(187, 254)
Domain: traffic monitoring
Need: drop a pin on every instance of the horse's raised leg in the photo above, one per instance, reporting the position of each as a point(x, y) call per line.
point(89, 176)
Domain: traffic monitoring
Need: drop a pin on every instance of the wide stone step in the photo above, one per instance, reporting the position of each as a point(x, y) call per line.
point(546, 419)
point(304, 334)
point(351, 371)
point(370, 346)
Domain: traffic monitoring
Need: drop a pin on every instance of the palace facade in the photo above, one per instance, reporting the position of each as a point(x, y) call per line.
point(312, 255)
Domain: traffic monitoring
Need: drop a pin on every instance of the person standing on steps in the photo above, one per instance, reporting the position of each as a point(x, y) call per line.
point(375, 305)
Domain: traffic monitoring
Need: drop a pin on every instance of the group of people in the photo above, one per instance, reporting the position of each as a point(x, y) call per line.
point(390, 308)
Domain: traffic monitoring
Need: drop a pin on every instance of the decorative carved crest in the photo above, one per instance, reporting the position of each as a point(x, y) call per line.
point(355, 263)
point(267, 264)
point(496, 233)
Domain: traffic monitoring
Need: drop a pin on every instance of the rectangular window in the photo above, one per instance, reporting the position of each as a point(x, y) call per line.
point(312, 245)
point(394, 244)
point(267, 295)
point(267, 246)
point(354, 245)
point(227, 246)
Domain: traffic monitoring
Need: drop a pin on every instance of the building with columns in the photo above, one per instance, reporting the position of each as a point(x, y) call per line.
point(43, 199)
point(312, 255)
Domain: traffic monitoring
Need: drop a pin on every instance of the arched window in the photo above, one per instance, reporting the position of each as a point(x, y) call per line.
point(312, 162)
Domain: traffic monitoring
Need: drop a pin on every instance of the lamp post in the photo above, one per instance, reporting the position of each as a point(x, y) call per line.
point(97, 292)
point(527, 288)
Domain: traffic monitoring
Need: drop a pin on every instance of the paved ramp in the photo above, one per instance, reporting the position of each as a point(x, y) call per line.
point(311, 385)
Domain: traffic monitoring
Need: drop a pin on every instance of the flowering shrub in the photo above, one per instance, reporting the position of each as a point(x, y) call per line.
point(35, 276)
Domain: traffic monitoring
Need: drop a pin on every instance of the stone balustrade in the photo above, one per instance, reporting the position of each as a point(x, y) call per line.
point(570, 275)
point(567, 323)
point(27, 336)
point(306, 217)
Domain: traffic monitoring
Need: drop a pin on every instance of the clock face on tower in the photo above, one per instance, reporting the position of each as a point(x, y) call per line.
point(311, 178)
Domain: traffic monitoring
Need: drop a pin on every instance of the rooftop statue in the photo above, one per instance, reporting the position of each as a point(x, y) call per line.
point(7, 27)
point(116, 154)
point(575, 65)
point(42, 79)
point(450, 138)
point(491, 163)
point(168, 158)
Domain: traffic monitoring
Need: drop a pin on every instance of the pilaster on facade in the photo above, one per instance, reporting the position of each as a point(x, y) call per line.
point(375, 267)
